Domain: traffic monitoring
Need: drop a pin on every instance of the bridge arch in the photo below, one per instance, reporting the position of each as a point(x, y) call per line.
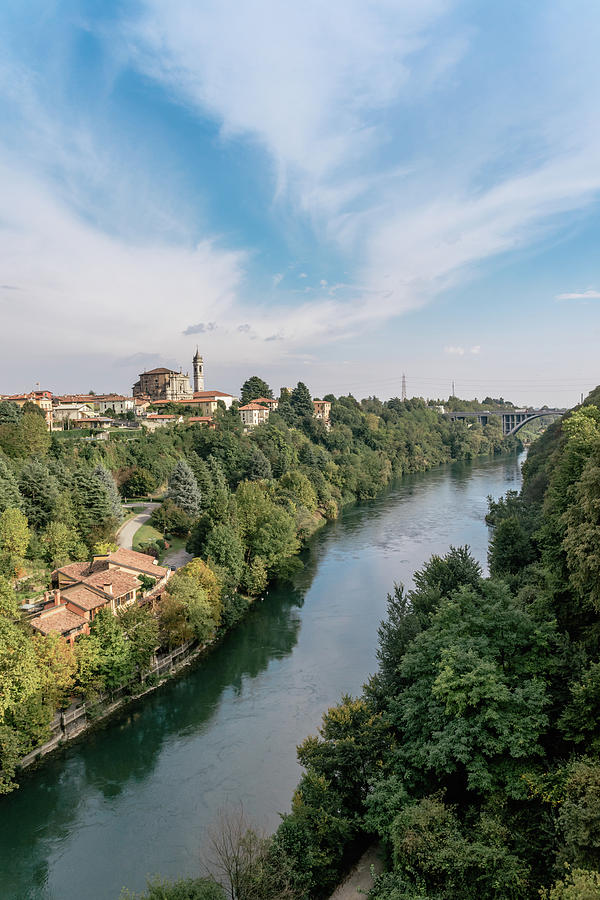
point(543, 413)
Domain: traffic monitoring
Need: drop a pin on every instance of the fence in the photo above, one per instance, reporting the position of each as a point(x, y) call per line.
point(71, 722)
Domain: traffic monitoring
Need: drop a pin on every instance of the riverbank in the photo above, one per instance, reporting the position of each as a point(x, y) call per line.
point(142, 792)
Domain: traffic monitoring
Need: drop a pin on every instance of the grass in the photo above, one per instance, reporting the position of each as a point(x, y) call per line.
point(144, 534)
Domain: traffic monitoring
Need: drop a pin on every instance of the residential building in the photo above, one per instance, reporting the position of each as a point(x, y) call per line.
point(83, 588)
point(43, 399)
point(100, 402)
point(98, 422)
point(205, 402)
point(269, 402)
point(159, 420)
point(253, 414)
point(69, 412)
point(322, 409)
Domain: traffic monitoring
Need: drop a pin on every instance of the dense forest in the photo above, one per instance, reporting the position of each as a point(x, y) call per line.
point(243, 502)
point(472, 755)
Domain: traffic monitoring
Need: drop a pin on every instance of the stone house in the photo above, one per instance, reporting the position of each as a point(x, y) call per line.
point(253, 414)
point(81, 589)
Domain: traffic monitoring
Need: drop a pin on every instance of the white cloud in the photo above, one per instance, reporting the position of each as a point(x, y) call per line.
point(324, 89)
point(455, 351)
point(302, 275)
point(589, 294)
point(277, 279)
point(323, 283)
point(476, 350)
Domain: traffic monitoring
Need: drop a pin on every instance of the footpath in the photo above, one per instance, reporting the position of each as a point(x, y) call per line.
point(360, 881)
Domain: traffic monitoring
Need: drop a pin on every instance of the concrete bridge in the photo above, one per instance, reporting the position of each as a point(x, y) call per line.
point(512, 419)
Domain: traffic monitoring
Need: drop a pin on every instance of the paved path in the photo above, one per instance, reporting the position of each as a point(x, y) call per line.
point(177, 558)
point(126, 532)
point(359, 882)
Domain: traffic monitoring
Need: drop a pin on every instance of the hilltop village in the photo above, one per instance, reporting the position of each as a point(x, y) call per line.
point(161, 397)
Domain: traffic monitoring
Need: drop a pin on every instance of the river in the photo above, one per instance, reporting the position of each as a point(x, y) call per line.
point(135, 797)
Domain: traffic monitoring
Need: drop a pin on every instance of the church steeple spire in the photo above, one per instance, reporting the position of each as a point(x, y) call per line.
point(198, 366)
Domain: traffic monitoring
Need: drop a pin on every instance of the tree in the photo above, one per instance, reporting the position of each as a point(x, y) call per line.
point(141, 630)
point(111, 488)
point(62, 544)
point(225, 551)
point(474, 701)
point(94, 507)
point(10, 413)
point(183, 489)
point(182, 889)
point(58, 668)
point(253, 388)
point(33, 437)
point(9, 490)
point(114, 663)
point(259, 466)
point(138, 483)
point(301, 401)
point(14, 540)
point(39, 490)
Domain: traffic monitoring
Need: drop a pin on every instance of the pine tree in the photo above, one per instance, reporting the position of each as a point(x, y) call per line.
point(39, 491)
point(9, 490)
point(183, 488)
point(301, 401)
point(259, 466)
point(115, 500)
point(93, 507)
point(255, 387)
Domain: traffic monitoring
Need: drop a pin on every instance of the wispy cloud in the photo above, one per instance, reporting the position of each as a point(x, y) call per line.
point(455, 351)
point(589, 294)
point(201, 328)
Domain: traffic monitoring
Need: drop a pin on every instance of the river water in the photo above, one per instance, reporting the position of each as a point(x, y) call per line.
point(135, 797)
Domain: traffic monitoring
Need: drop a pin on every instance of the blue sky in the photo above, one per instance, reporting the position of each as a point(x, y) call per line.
point(329, 192)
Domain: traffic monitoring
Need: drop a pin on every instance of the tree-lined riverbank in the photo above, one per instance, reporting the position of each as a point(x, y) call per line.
point(137, 797)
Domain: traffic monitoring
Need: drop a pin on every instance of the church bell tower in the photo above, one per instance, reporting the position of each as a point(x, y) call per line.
point(198, 372)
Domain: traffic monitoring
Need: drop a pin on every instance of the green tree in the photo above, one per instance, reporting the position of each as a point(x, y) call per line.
point(259, 466)
point(9, 490)
point(39, 490)
point(225, 552)
point(183, 489)
point(62, 544)
point(183, 889)
point(93, 507)
point(14, 540)
point(474, 699)
point(253, 388)
point(138, 483)
point(111, 488)
point(301, 401)
point(10, 413)
point(255, 576)
point(141, 630)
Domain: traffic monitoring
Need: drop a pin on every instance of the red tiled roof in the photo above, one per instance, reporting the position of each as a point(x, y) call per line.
point(83, 597)
point(143, 562)
point(252, 406)
point(121, 582)
point(161, 416)
point(57, 620)
point(79, 570)
point(160, 371)
point(206, 395)
point(199, 418)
